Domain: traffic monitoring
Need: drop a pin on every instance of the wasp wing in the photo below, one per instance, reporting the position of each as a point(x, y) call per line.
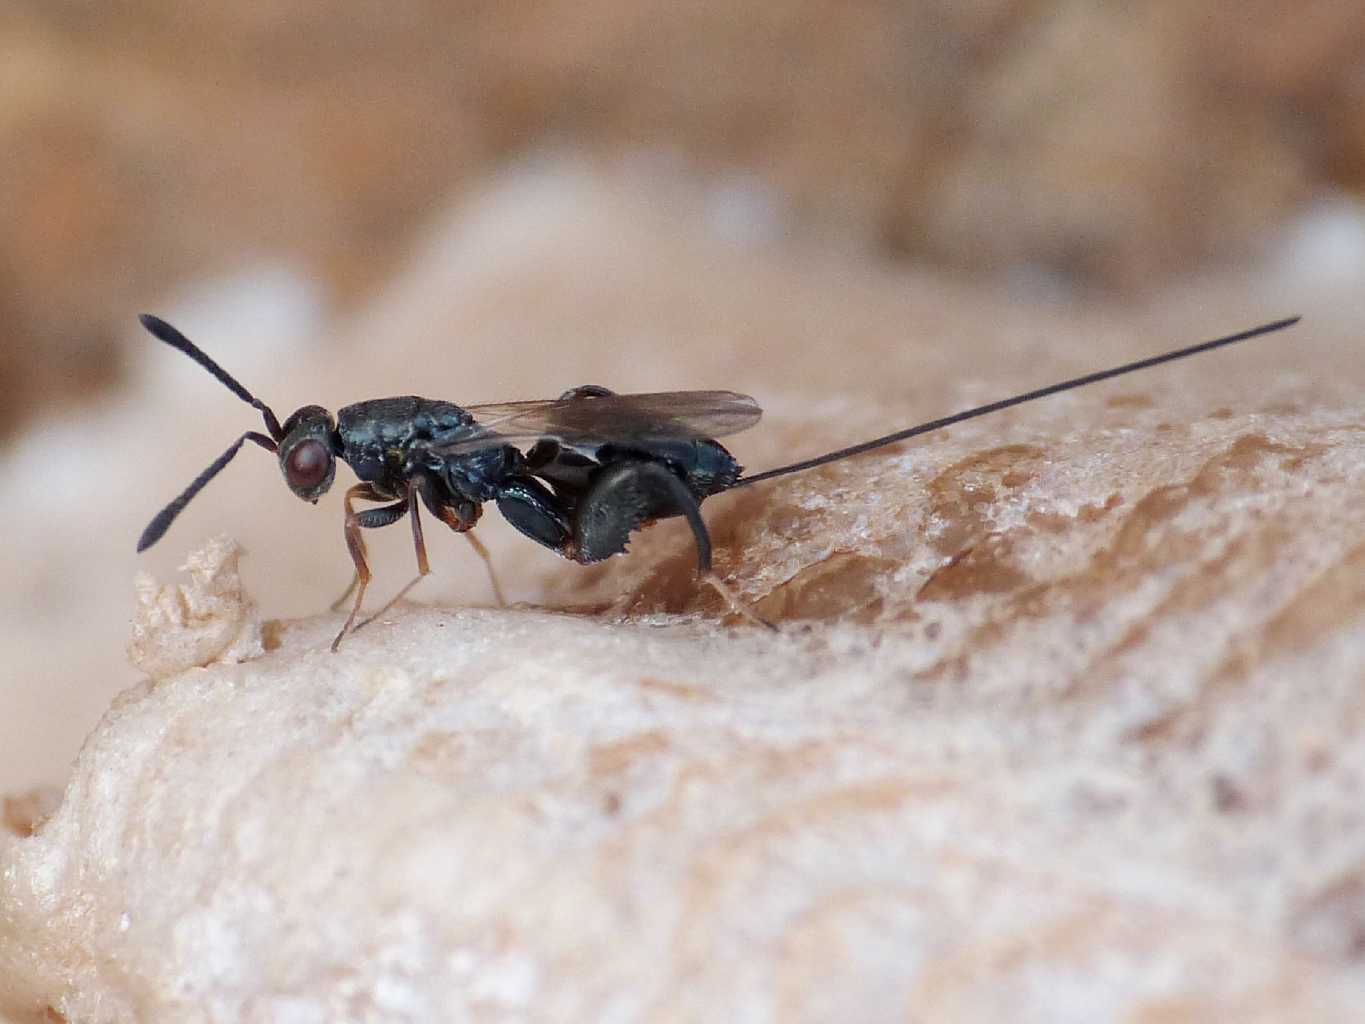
point(658, 416)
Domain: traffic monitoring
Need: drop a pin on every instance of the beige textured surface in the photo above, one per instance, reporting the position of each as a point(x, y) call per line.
point(209, 619)
point(558, 276)
point(1072, 728)
point(1081, 739)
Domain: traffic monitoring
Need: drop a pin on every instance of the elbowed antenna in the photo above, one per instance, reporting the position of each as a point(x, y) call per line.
point(165, 332)
point(1028, 396)
point(163, 519)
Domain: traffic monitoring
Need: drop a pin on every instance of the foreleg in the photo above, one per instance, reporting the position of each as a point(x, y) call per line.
point(369, 519)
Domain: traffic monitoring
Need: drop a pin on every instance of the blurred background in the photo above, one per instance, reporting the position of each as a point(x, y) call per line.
point(814, 200)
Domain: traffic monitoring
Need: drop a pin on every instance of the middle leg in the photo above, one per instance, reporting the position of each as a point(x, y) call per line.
point(461, 516)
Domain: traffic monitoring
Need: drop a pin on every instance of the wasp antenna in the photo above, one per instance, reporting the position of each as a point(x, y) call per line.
point(165, 332)
point(1027, 396)
point(163, 519)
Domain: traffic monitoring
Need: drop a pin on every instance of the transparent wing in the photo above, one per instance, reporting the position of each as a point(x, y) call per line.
point(660, 416)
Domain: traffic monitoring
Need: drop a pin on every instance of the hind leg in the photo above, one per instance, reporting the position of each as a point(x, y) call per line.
point(461, 516)
point(626, 496)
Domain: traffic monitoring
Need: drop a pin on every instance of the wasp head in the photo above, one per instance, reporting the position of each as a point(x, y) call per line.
point(304, 444)
point(308, 452)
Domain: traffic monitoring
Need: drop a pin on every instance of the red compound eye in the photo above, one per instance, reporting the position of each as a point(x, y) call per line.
point(308, 465)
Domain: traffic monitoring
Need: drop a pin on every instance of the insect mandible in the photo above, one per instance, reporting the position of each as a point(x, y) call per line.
point(578, 474)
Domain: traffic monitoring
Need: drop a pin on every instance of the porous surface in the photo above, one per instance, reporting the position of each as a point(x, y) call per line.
point(1065, 721)
point(209, 619)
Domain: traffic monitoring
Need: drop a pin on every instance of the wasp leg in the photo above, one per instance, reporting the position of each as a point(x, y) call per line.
point(533, 509)
point(461, 518)
point(482, 552)
point(362, 492)
point(336, 605)
point(627, 495)
point(370, 519)
point(419, 546)
point(732, 599)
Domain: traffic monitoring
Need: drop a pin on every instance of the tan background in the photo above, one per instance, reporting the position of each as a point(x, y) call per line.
point(499, 200)
point(863, 214)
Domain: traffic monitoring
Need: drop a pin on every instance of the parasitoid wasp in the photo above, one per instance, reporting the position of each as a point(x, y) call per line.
point(578, 474)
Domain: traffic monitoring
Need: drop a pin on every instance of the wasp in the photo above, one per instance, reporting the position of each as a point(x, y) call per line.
point(577, 474)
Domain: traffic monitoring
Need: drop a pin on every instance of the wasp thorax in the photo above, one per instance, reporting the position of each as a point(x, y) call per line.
point(307, 453)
